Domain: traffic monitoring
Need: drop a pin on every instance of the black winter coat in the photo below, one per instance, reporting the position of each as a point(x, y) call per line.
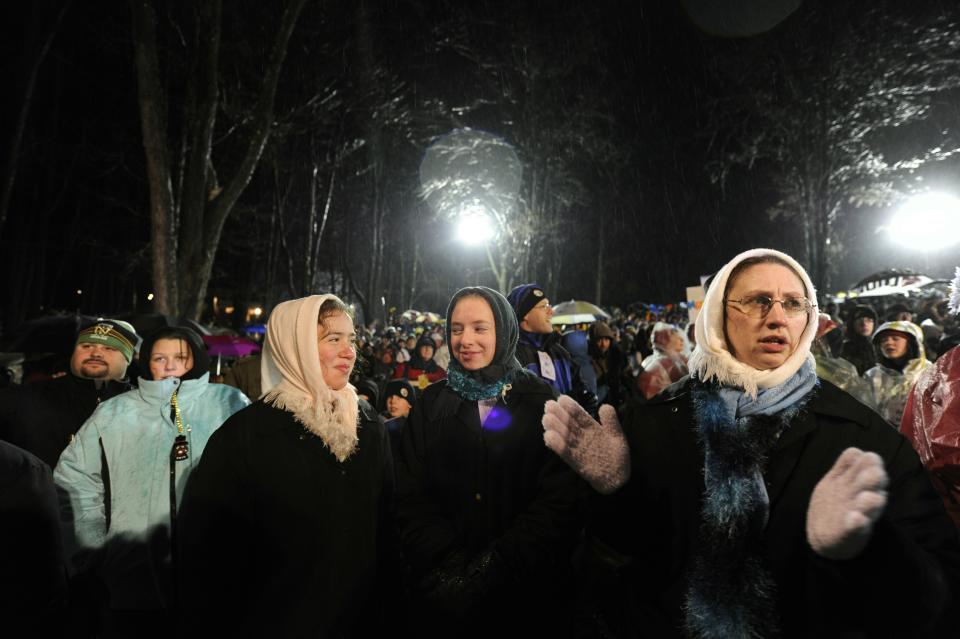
point(41, 418)
point(647, 531)
point(466, 489)
point(282, 540)
point(33, 580)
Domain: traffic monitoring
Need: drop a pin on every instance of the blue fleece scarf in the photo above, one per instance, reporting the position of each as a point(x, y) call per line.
point(771, 401)
point(730, 590)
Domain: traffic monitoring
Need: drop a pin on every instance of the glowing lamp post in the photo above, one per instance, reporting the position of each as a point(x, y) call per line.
point(928, 222)
point(472, 179)
point(475, 226)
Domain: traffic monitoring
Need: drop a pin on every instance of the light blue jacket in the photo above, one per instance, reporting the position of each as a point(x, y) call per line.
point(134, 433)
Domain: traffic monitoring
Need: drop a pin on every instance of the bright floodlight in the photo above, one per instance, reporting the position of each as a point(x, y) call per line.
point(475, 226)
point(930, 221)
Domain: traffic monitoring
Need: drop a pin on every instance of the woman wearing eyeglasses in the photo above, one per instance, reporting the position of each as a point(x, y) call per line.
point(754, 500)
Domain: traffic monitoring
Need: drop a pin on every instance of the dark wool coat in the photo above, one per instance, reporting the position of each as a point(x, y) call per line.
point(41, 418)
point(282, 540)
point(469, 489)
point(645, 535)
point(33, 579)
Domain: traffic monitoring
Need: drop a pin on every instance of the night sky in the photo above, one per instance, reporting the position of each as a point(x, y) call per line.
point(631, 105)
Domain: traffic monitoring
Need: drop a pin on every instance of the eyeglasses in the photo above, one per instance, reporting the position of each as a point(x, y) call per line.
point(758, 306)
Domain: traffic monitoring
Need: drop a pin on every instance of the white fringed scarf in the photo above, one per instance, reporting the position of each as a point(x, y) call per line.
point(711, 359)
point(292, 379)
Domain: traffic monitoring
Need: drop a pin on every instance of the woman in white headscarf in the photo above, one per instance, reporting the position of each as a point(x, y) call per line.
point(755, 500)
point(287, 516)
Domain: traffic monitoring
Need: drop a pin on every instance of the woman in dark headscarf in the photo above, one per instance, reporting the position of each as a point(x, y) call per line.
point(487, 519)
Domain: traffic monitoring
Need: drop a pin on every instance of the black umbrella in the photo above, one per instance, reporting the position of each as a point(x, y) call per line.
point(50, 334)
point(146, 323)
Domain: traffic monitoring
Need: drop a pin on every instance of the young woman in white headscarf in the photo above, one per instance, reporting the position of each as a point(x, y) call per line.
point(487, 515)
point(287, 521)
point(755, 500)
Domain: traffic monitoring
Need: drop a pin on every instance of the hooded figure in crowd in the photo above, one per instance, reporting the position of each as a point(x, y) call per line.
point(421, 368)
point(900, 360)
point(857, 347)
point(608, 363)
point(837, 370)
point(754, 500)
point(487, 514)
point(287, 520)
point(666, 364)
point(122, 479)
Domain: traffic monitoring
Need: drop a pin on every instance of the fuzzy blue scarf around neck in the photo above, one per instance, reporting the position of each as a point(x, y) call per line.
point(770, 401)
point(730, 592)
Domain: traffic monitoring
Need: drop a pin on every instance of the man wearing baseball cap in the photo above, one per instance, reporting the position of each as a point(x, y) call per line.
point(43, 417)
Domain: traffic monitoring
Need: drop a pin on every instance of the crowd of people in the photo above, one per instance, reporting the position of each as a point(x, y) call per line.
point(639, 475)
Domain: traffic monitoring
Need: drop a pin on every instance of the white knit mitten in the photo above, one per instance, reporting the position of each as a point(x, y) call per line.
point(845, 504)
point(597, 451)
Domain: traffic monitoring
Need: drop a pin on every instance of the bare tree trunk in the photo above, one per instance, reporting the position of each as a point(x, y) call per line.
point(598, 283)
point(499, 268)
point(279, 206)
point(327, 203)
point(376, 263)
point(365, 50)
point(308, 263)
point(199, 187)
point(220, 203)
point(153, 122)
point(12, 160)
point(415, 259)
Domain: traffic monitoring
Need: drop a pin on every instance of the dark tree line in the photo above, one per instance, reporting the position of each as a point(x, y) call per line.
point(815, 105)
point(258, 151)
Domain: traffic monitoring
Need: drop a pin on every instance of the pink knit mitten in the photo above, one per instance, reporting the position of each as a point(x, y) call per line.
point(845, 504)
point(597, 451)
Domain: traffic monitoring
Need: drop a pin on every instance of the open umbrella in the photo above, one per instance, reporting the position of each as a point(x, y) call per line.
point(428, 318)
point(230, 346)
point(50, 334)
point(891, 282)
point(146, 323)
point(578, 312)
